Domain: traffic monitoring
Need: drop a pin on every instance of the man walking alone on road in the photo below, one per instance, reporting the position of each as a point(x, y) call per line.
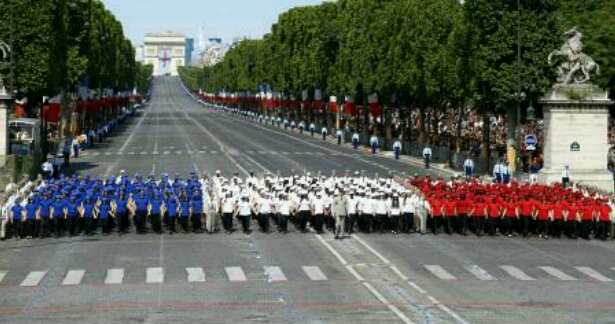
point(427, 155)
point(340, 211)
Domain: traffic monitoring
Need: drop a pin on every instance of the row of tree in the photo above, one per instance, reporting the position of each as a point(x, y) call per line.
point(62, 44)
point(442, 54)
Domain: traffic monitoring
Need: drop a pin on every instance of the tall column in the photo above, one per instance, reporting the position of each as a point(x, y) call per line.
point(5, 100)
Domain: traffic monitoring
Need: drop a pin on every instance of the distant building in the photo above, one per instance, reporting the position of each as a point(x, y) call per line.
point(189, 51)
point(165, 51)
point(213, 53)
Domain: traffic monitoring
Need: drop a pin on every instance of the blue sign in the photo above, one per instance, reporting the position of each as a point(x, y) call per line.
point(531, 139)
point(530, 142)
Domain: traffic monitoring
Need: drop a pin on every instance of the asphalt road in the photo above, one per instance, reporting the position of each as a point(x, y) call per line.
point(294, 278)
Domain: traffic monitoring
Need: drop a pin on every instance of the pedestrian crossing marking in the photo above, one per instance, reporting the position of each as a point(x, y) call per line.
point(120, 153)
point(33, 279)
point(155, 152)
point(285, 153)
point(73, 277)
point(178, 152)
point(314, 273)
point(96, 153)
point(516, 272)
point(108, 153)
point(154, 275)
point(2, 275)
point(195, 274)
point(319, 153)
point(202, 152)
point(143, 153)
point(594, 274)
point(274, 274)
point(235, 274)
point(557, 273)
point(166, 152)
point(479, 273)
point(261, 152)
point(213, 152)
point(131, 153)
point(439, 272)
point(114, 276)
point(189, 152)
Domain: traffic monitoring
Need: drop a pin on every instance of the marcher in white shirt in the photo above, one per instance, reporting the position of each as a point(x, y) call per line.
point(318, 211)
point(468, 166)
point(367, 213)
point(410, 202)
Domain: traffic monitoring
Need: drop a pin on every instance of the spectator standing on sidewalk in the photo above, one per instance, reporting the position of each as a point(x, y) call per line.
point(339, 135)
point(468, 166)
point(566, 176)
point(397, 148)
point(373, 141)
point(75, 145)
point(47, 168)
point(355, 140)
point(324, 132)
point(427, 155)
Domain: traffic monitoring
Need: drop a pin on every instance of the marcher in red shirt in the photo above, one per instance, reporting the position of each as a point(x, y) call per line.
point(604, 223)
point(558, 213)
point(477, 213)
point(436, 215)
point(587, 220)
point(462, 214)
point(449, 213)
point(495, 213)
point(543, 211)
point(525, 213)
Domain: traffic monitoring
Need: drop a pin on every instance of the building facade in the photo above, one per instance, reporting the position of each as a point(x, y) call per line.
point(166, 52)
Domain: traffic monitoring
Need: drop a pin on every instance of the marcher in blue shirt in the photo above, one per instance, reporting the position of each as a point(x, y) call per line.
point(58, 214)
point(45, 213)
point(32, 216)
point(171, 208)
point(103, 210)
point(121, 212)
point(155, 209)
point(18, 219)
point(197, 212)
point(72, 214)
point(87, 214)
point(186, 212)
point(141, 205)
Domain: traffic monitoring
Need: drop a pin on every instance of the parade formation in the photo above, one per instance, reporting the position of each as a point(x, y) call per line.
point(340, 204)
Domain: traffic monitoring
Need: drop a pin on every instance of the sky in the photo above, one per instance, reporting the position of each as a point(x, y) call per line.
point(224, 19)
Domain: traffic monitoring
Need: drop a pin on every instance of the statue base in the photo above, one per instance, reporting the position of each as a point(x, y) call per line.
point(5, 104)
point(576, 134)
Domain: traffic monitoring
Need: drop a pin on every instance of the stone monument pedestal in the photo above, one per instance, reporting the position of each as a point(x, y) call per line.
point(5, 104)
point(576, 134)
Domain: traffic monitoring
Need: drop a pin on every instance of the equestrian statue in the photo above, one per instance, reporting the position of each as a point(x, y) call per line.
point(574, 65)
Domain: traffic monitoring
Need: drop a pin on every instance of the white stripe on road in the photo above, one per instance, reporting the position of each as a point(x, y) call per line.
point(594, 274)
point(262, 152)
point(479, 273)
point(114, 276)
point(155, 153)
point(108, 153)
point(439, 272)
point(73, 277)
point(557, 273)
point(33, 279)
point(274, 274)
point(202, 152)
point(131, 153)
point(249, 152)
point(178, 152)
point(154, 275)
point(143, 153)
point(96, 153)
point(314, 273)
point(2, 275)
point(166, 153)
point(213, 152)
point(195, 274)
point(516, 272)
point(235, 274)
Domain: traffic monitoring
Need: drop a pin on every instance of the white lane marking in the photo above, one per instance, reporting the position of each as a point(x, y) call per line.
point(166, 153)
point(189, 152)
point(479, 273)
point(516, 273)
point(73, 277)
point(367, 285)
point(114, 276)
point(178, 152)
point(557, 273)
point(108, 153)
point(332, 250)
point(2, 275)
point(372, 250)
point(390, 306)
point(262, 152)
point(131, 153)
point(96, 153)
point(249, 152)
point(213, 152)
point(155, 153)
point(274, 274)
point(154, 275)
point(143, 153)
point(439, 272)
point(119, 153)
point(594, 274)
point(33, 279)
point(195, 274)
point(314, 273)
point(235, 274)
